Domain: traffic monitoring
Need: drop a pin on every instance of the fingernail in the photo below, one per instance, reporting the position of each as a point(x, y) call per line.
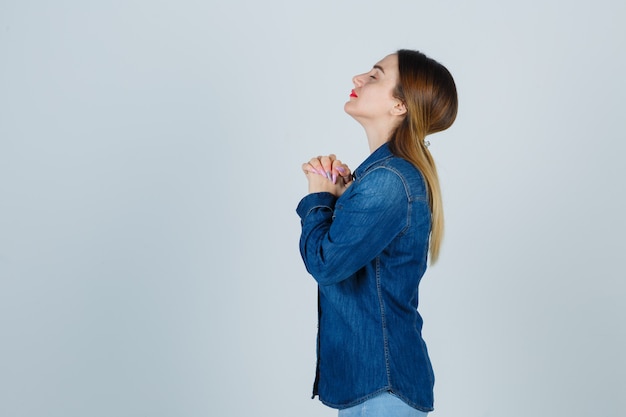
point(334, 178)
point(341, 169)
point(322, 173)
point(328, 175)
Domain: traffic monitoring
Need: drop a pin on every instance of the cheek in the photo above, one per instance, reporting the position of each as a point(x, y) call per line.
point(379, 99)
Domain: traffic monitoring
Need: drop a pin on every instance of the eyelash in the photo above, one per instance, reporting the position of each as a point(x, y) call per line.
point(372, 77)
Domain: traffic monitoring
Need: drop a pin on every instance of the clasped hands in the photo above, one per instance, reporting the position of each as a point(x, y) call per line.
point(327, 174)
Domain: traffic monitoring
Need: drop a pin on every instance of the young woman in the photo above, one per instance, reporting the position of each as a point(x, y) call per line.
point(366, 239)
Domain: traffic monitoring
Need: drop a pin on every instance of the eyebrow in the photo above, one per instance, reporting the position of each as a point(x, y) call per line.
point(380, 68)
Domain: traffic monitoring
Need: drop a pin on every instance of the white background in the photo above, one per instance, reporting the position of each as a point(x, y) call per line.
point(150, 159)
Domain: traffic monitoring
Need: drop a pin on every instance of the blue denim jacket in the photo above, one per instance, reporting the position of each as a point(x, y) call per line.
point(367, 250)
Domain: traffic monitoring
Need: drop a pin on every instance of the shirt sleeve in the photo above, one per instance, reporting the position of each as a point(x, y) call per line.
point(340, 236)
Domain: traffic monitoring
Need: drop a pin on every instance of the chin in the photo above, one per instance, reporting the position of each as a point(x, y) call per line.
point(348, 108)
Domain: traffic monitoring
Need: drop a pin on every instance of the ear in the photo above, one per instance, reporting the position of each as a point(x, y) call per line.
point(398, 109)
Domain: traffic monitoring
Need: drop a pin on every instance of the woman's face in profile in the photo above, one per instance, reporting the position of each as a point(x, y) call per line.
point(372, 96)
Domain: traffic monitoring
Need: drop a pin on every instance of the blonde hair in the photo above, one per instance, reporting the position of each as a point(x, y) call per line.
point(428, 92)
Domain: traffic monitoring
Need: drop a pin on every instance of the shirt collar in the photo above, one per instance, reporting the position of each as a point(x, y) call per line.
point(383, 152)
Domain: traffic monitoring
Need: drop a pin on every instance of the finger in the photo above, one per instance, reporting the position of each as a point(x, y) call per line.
point(332, 173)
point(337, 170)
point(307, 168)
point(316, 166)
point(342, 170)
point(327, 166)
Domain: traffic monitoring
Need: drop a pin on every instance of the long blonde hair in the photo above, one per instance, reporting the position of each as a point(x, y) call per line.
point(428, 91)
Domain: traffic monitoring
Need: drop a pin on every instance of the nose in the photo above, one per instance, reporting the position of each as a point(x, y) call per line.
point(357, 80)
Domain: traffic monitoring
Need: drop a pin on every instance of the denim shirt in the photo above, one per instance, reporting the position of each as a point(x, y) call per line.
point(367, 250)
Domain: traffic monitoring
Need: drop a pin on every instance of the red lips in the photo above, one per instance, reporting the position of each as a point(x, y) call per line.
point(353, 94)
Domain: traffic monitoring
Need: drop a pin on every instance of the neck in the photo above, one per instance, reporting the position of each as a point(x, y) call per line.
point(377, 136)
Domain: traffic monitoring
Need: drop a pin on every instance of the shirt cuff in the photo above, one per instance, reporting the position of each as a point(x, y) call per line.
point(315, 200)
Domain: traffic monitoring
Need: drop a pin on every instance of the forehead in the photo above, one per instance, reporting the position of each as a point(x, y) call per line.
point(389, 63)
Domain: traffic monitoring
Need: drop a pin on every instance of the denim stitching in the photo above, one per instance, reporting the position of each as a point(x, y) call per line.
point(407, 192)
point(383, 321)
point(318, 207)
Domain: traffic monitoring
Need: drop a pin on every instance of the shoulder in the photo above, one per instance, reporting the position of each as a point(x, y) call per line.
point(384, 177)
point(380, 185)
point(405, 173)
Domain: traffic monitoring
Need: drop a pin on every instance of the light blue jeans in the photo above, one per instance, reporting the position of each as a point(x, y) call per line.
point(383, 405)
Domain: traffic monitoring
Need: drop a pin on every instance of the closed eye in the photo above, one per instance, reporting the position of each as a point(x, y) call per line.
point(374, 72)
